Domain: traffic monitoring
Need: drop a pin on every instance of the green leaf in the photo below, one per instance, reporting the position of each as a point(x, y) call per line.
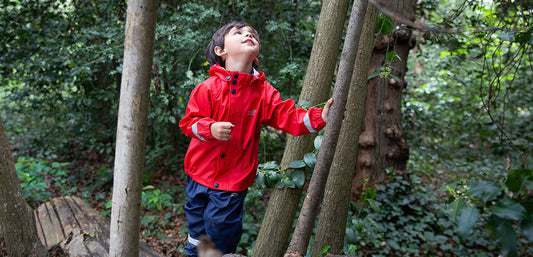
point(456, 206)
point(260, 179)
point(384, 25)
point(507, 239)
point(324, 250)
point(509, 209)
point(527, 229)
point(304, 103)
point(310, 159)
point(270, 165)
point(391, 56)
point(468, 218)
point(373, 75)
point(486, 191)
point(516, 180)
point(297, 164)
point(318, 142)
point(298, 177)
point(507, 36)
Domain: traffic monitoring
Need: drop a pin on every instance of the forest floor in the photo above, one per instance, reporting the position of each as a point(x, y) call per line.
point(163, 230)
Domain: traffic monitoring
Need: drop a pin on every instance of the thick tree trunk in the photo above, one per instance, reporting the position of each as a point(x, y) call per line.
point(334, 212)
point(131, 128)
point(16, 217)
point(278, 221)
point(309, 211)
point(382, 143)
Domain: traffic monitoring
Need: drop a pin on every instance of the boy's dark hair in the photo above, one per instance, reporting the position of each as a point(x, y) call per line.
point(218, 40)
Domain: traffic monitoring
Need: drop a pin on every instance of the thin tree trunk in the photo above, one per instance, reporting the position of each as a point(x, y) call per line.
point(17, 222)
point(306, 221)
point(279, 218)
point(382, 143)
point(334, 212)
point(131, 128)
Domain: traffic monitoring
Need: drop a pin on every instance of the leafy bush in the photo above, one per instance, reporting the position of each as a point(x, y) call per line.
point(504, 210)
point(405, 219)
point(41, 180)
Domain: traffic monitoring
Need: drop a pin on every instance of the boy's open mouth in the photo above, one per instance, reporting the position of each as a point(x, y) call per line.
point(248, 41)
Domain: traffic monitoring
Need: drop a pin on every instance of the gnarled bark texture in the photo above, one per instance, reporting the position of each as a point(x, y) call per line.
point(334, 212)
point(382, 143)
point(277, 224)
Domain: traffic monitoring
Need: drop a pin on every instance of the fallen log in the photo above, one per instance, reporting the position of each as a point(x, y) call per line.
point(72, 225)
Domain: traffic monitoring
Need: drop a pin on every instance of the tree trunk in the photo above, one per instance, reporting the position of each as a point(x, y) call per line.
point(334, 212)
point(309, 211)
point(16, 217)
point(131, 128)
point(278, 221)
point(382, 143)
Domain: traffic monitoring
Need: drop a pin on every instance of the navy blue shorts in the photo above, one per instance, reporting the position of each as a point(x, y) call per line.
point(215, 213)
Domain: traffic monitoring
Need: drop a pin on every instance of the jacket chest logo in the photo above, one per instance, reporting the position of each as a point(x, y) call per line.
point(252, 112)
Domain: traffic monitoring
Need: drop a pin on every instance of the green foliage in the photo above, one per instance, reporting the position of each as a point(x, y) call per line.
point(41, 180)
point(507, 210)
point(403, 218)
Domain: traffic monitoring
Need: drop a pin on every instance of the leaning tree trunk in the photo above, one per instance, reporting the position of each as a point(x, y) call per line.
point(306, 220)
point(382, 142)
point(16, 217)
point(278, 221)
point(334, 212)
point(131, 128)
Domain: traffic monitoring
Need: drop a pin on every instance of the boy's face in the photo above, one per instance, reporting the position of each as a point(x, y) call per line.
point(240, 43)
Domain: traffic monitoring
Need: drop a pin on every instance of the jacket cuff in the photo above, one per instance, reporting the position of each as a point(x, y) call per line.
point(315, 117)
point(202, 129)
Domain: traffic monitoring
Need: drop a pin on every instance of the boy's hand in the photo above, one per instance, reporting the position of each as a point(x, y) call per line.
point(221, 130)
point(325, 111)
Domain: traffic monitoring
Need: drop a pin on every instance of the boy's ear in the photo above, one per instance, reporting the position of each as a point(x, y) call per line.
point(219, 51)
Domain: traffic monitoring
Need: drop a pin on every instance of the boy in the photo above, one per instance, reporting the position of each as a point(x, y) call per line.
point(224, 117)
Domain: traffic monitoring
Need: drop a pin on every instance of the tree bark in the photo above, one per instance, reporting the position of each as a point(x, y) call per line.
point(16, 217)
point(131, 128)
point(309, 211)
point(382, 143)
point(334, 212)
point(279, 218)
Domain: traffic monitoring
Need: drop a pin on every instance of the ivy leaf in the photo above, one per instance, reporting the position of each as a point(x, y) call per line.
point(310, 159)
point(486, 191)
point(297, 164)
point(298, 177)
point(468, 218)
point(508, 209)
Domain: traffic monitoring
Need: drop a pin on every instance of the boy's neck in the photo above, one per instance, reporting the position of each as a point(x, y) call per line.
point(243, 67)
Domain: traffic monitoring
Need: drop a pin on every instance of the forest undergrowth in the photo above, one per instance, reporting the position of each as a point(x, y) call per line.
point(410, 216)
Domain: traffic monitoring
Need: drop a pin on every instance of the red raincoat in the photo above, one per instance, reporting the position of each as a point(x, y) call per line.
point(247, 101)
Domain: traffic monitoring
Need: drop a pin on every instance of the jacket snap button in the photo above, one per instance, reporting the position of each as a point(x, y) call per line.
point(234, 82)
point(223, 155)
point(235, 76)
point(228, 77)
point(233, 91)
point(216, 185)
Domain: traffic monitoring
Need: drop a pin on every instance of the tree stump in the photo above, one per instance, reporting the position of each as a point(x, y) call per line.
point(71, 224)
